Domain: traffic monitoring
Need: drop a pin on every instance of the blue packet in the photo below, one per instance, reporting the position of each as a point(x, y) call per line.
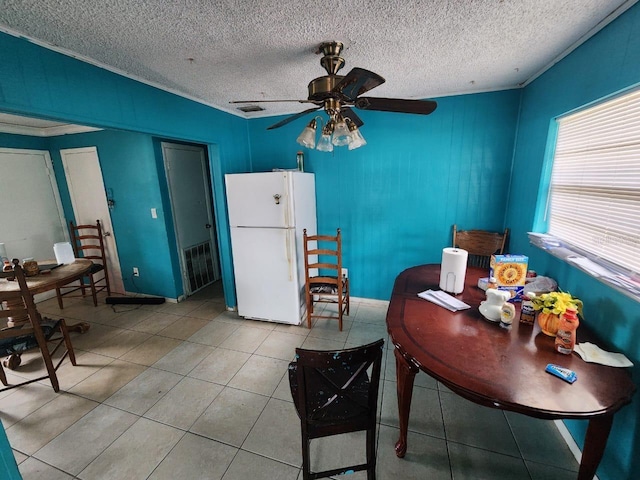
point(561, 372)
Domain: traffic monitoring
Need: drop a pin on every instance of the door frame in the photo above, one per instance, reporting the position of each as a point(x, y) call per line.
point(210, 205)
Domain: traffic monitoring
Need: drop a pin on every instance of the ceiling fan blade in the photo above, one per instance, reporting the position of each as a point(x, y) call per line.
point(348, 113)
point(421, 107)
point(292, 118)
point(357, 82)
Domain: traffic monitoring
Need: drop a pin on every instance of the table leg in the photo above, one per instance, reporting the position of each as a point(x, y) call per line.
point(594, 443)
point(405, 375)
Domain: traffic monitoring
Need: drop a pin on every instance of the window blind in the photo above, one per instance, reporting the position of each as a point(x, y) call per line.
point(594, 198)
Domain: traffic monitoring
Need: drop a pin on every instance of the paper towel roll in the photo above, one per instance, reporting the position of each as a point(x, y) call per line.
point(453, 269)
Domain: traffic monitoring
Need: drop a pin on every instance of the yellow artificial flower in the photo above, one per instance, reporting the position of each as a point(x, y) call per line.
point(556, 302)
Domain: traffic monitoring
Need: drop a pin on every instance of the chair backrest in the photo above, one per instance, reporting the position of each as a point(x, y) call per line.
point(22, 304)
point(323, 258)
point(335, 393)
point(480, 244)
point(88, 242)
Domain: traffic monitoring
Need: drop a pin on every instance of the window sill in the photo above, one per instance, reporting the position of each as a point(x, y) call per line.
point(624, 281)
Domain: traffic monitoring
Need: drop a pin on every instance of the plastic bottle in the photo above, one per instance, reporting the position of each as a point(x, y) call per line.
point(300, 161)
point(507, 313)
point(566, 336)
point(527, 313)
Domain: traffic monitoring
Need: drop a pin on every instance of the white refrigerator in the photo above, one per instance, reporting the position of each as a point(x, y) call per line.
point(267, 213)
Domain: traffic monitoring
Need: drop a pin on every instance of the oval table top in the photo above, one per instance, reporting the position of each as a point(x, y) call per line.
point(494, 366)
point(44, 282)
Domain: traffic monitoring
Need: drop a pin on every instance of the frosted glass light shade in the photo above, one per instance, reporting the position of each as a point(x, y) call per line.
point(341, 134)
point(357, 140)
point(308, 136)
point(324, 144)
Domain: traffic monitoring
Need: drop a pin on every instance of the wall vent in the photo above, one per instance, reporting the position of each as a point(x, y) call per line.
point(251, 108)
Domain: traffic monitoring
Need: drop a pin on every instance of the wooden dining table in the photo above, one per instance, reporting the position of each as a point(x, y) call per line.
point(48, 280)
point(497, 367)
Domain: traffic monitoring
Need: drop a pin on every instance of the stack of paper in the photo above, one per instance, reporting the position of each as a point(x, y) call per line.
point(444, 300)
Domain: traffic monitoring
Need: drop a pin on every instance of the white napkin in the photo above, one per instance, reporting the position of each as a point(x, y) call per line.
point(594, 354)
point(444, 300)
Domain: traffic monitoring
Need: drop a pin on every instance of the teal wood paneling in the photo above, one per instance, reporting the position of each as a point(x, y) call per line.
point(38, 82)
point(397, 197)
point(605, 64)
point(25, 142)
point(129, 171)
point(8, 466)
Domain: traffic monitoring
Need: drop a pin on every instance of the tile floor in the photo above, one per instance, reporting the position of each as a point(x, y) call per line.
point(190, 391)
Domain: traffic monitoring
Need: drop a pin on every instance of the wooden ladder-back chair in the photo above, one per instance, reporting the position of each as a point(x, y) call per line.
point(88, 242)
point(324, 282)
point(336, 392)
point(34, 333)
point(480, 244)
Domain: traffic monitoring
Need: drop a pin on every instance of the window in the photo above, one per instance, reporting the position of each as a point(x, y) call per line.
point(594, 196)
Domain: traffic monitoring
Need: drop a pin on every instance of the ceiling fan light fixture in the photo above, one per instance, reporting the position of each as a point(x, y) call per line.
point(308, 136)
point(324, 144)
point(357, 140)
point(341, 134)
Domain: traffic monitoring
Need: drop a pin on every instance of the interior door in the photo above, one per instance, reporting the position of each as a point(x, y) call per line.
point(191, 206)
point(89, 201)
point(31, 215)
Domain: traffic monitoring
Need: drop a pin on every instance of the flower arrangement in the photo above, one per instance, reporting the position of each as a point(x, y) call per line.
point(556, 302)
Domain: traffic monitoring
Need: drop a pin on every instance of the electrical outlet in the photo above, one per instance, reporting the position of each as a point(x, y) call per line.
point(345, 273)
point(136, 272)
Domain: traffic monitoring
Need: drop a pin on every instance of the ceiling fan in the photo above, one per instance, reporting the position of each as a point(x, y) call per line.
point(337, 94)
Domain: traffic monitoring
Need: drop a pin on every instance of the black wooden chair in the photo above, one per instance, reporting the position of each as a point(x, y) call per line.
point(30, 332)
point(336, 392)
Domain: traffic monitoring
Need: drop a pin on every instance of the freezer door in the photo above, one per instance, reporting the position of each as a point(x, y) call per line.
point(259, 200)
point(267, 282)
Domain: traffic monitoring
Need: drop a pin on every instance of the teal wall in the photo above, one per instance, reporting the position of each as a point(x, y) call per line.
point(42, 83)
point(607, 63)
point(396, 198)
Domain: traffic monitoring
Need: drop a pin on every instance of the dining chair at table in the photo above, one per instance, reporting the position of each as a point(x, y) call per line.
point(336, 392)
point(88, 242)
point(480, 244)
point(35, 333)
point(324, 279)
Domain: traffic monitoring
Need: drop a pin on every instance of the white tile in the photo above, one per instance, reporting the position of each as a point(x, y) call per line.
point(141, 393)
point(182, 406)
point(80, 444)
point(260, 375)
point(220, 366)
point(195, 457)
point(247, 465)
point(245, 339)
point(184, 357)
point(214, 333)
point(33, 469)
point(230, 416)
point(135, 454)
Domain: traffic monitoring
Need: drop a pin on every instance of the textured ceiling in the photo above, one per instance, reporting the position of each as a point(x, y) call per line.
point(214, 51)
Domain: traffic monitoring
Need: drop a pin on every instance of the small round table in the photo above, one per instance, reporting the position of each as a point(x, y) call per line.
point(43, 282)
point(496, 367)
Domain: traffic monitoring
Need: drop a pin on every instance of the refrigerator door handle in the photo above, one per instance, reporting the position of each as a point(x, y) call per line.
point(289, 254)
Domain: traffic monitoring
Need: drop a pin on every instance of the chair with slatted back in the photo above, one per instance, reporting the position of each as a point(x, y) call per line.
point(480, 244)
point(324, 281)
point(88, 242)
point(34, 333)
point(336, 392)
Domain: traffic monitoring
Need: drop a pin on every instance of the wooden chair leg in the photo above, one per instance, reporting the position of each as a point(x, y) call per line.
point(309, 310)
point(67, 341)
point(371, 454)
point(3, 376)
point(93, 291)
point(59, 295)
point(306, 462)
point(50, 369)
